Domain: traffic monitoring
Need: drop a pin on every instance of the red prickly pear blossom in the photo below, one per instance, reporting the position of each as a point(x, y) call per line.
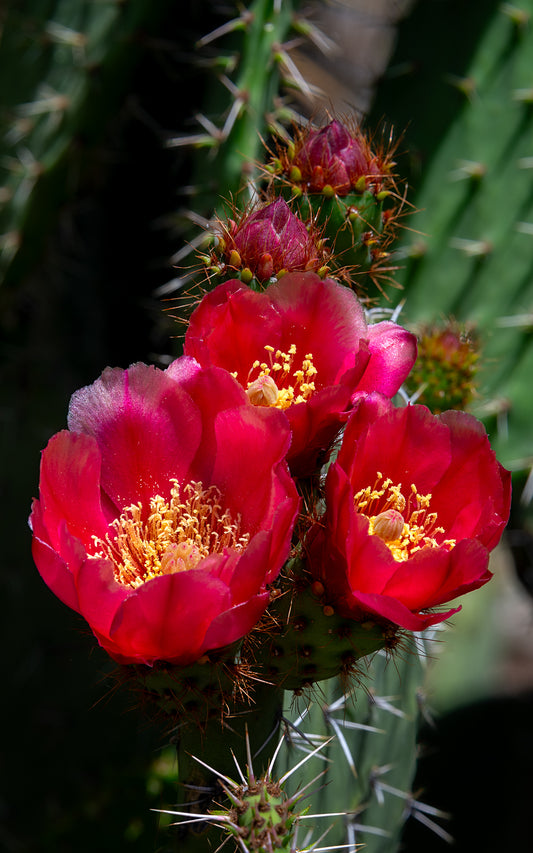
point(148, 522)
point(336, 159)
point(270, 241)
point(303, 346)
point(414, 504)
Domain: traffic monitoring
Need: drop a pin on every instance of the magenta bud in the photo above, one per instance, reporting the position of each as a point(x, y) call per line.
point(272, 239)
point(334, 159)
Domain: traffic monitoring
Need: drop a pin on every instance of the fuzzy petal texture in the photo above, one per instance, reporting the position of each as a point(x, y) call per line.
point(462, 507)
point(236, 328)
point(132, 435)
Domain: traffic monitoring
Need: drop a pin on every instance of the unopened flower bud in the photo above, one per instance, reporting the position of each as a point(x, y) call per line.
point(445, 370)
point(333, 159)
point(271, 239)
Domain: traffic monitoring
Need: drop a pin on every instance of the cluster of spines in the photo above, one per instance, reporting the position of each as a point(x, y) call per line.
point(256, 811)
point(444, 375)
point(369, 753)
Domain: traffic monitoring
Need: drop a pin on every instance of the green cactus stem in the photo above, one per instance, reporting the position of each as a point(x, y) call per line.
point(65, 64)
point(244, 103)
point(309, 642)
point(370, 728)
point(470, 253)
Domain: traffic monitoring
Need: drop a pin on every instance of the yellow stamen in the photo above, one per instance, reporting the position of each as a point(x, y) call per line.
point(289, 388)
point(176, 535)
point(404, 524)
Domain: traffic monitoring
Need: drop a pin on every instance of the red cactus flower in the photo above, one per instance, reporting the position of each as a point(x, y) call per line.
point(302, 346)
point(414, 504)
point(334, 157)
point(271, 240)
point(149, 523)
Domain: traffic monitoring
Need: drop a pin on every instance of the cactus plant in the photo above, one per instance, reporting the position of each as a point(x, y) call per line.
point(72, 61)
point(373, 751)
point(469, 253)
point(340, 181)
point(371, 725)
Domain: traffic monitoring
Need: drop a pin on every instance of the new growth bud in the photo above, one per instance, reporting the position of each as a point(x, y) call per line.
point(331, 160)
point(334, 160)
point(446, 367)
point(269, 242)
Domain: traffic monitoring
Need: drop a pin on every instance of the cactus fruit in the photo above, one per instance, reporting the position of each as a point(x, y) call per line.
point(310, 642)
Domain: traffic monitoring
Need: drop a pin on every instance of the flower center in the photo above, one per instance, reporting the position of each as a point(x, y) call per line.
point(277, 384)
point(405, 524)
point(175, 537)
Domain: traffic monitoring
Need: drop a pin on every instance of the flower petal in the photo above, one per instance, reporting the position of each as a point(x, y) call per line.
point(69, 488)
point(247, 456)
point(385, 607)
point(100, 595)
point(485, 503)
point(53, 569)
point(408, 444)
point(434, 576)
point(167, 618)
point(232, 624)
point(392, 355)
point(147, 429)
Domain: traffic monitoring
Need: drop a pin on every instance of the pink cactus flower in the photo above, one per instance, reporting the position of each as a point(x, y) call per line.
point(302, 346)
point(149, 521)
point(414, 504)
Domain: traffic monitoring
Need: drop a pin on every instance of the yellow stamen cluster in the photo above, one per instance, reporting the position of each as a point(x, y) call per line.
point(277, 384)
point(174, 537)
point(405, 524)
